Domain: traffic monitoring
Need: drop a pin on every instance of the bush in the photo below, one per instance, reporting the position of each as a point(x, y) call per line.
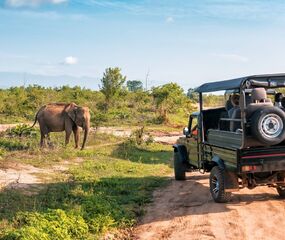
point(55, 224)
point(13, 145)
point(149, 140)
point(19, 104)
point(121, 114)
point(99, 119)
point(22, 130)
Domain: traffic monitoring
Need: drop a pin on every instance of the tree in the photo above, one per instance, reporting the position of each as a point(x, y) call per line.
point(167, 98)
point(112, 83)
point(194, 96)
point(134, 86)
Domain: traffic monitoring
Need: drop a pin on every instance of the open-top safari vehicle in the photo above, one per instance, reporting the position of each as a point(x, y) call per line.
point(241, 144)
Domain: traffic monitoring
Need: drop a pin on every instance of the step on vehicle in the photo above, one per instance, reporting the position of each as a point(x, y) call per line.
point(241, 144)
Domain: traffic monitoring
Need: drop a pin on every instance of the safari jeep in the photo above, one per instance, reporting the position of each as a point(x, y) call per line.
point(241, 144)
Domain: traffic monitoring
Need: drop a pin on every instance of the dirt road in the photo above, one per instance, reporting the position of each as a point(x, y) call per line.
point(185, 210)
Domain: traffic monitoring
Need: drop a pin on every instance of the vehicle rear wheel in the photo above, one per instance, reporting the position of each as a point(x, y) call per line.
point(281, 191)
point(268, 125)
point(217, 185)
point(179, 167)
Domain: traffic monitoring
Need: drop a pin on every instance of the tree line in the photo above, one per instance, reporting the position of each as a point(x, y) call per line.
point(118, 101)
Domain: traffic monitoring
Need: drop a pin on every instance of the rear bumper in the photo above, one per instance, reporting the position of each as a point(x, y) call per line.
point(265, 159)
point(262, 165)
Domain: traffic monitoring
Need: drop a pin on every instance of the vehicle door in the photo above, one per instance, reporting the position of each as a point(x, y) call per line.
point(192, 140)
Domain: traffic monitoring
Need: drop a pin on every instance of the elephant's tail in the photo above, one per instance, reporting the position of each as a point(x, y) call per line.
point(36, 119)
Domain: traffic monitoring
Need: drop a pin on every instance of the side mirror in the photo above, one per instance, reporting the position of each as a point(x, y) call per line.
point(186, 132)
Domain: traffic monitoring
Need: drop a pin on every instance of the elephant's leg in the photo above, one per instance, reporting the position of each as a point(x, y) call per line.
point(49, 143)
point(67, 135)
point(76, 135)
point(42, 139)
point(44, 134)
point(68, 129)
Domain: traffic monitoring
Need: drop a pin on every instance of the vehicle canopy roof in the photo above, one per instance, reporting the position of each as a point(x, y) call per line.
point(265, 80)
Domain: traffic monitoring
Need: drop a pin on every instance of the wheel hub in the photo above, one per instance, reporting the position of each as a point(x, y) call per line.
point(216, 185)
point(271, 125)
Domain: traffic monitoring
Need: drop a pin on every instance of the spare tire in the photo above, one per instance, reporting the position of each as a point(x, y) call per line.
point(267, 125)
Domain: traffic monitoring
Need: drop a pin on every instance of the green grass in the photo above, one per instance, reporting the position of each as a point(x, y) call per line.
point(154, 154)
point(105, 193)
point(178, 120)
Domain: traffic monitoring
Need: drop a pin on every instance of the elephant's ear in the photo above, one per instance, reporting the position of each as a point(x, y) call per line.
point(71, 110)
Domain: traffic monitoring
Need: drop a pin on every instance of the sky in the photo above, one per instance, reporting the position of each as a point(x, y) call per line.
point(188, 42)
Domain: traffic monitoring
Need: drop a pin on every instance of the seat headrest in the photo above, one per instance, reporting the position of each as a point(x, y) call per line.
point(278, 97)
point(258, 94)
point(228, 105)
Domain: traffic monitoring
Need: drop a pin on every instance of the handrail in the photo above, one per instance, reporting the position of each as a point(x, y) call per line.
point(230, 119)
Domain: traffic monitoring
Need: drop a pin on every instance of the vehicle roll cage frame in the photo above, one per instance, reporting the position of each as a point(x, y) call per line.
point(240, 84)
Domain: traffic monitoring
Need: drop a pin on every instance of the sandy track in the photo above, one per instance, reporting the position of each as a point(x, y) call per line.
point(185, 210)
point(4, 127)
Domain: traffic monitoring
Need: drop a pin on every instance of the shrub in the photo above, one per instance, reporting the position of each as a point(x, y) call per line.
point(54, 224)
point(22, 130)
point(12, 145)
point(19, 104)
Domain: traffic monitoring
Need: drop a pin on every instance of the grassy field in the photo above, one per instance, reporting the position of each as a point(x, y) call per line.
point(105, 193)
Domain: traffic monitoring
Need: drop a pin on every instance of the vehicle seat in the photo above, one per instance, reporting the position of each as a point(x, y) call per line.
point(233, 113)
point(228, 105)
point(283, 102)
point(258, 99)
point(278, 100)
point(236, 114)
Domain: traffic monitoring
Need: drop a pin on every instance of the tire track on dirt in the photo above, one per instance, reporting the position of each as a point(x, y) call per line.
point(185, 210)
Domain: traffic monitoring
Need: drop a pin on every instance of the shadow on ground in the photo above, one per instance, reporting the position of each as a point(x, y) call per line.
point(135, 153)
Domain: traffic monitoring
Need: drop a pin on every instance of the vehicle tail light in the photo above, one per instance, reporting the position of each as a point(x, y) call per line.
point(248, 168)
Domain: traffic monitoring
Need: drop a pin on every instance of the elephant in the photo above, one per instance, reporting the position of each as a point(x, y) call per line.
point(58, 117)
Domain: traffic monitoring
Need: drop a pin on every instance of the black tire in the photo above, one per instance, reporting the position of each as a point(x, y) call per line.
point(281, 191)
point(217, 185)
point(179, 167)
point(267, 125)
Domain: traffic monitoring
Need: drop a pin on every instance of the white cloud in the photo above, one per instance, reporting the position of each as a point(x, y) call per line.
point(31, 3)
point(70, 60)
point(232, 57)
point(169, 19)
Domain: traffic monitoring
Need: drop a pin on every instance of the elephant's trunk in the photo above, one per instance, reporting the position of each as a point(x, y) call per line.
point(86, 132)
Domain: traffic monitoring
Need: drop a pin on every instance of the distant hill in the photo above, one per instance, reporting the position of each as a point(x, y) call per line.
point(11, 79)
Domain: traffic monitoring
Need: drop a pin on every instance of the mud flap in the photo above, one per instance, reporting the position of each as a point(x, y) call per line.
point(231, 182)
point(182, 152)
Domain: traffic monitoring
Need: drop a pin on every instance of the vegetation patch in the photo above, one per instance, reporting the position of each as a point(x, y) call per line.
point(113, 105)
point(105, 193)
